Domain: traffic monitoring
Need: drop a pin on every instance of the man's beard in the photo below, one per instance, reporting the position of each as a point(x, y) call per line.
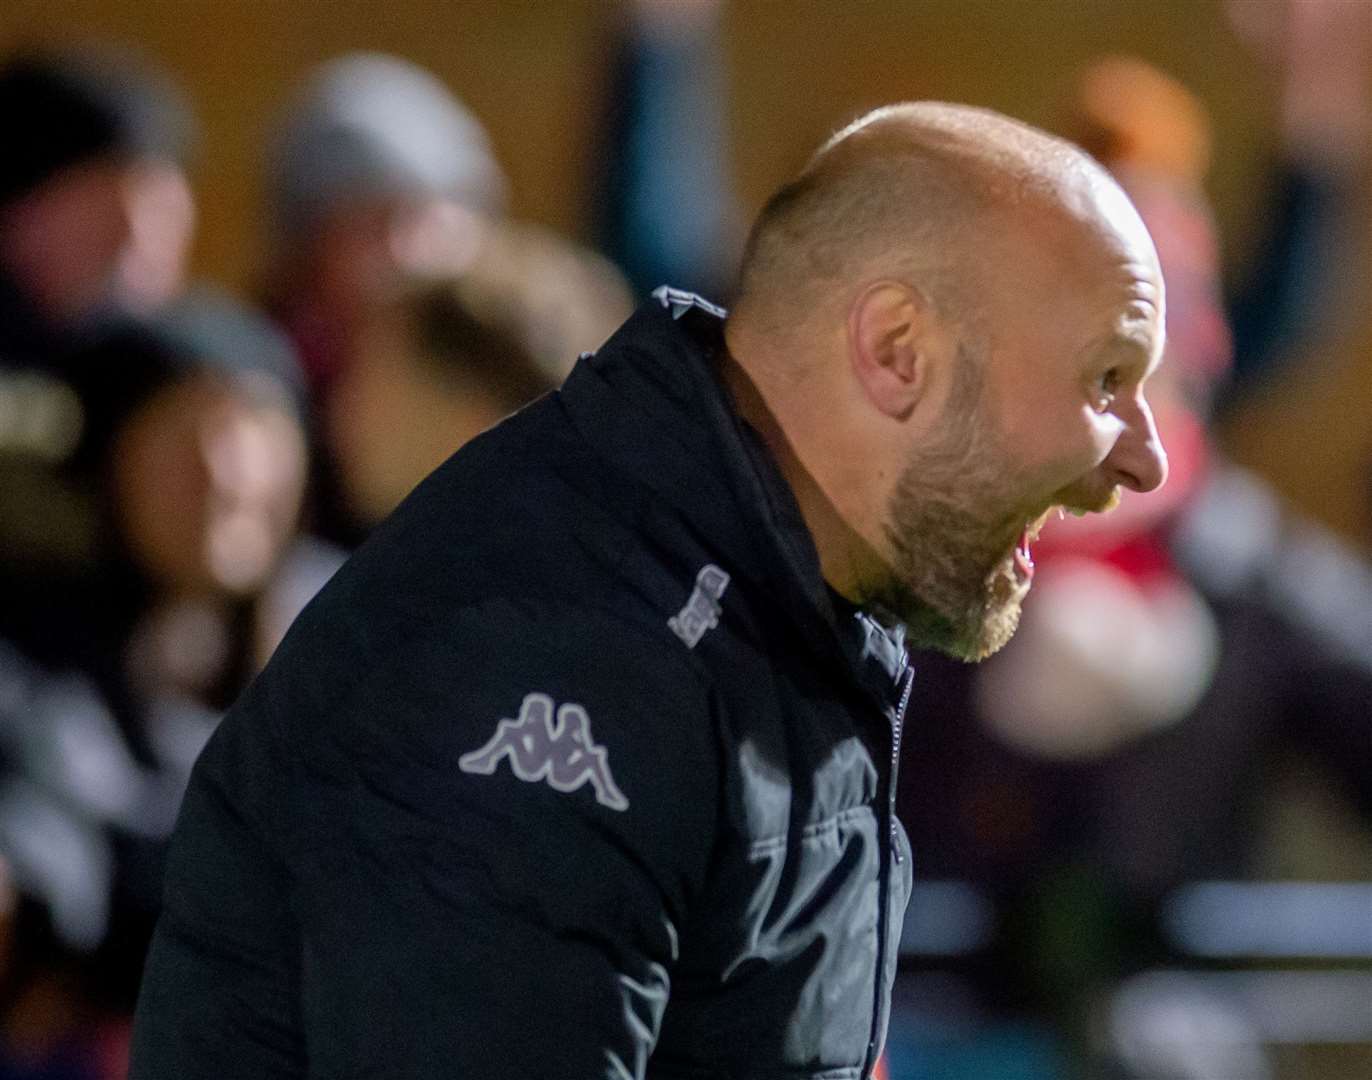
point(951, 526)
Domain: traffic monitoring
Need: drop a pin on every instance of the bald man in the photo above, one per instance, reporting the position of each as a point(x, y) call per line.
point(584, 765)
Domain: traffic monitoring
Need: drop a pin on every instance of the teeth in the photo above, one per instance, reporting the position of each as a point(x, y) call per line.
point(1062, 514)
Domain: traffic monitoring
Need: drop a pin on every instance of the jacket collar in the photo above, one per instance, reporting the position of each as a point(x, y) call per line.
point(652, 402)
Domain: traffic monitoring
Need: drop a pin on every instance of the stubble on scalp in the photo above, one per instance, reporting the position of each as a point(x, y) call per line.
point(921, 192)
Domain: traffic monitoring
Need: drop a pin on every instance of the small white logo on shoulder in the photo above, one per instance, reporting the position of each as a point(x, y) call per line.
point(541, 747)
point(701, 612)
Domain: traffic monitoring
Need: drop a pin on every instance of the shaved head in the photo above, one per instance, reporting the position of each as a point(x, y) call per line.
point(943, 330)
point(918, 192)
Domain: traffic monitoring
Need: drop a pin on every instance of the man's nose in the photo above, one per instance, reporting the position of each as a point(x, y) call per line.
point(1138, 460)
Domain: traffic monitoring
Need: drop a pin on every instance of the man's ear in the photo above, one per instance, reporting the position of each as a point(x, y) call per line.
point(888, 346)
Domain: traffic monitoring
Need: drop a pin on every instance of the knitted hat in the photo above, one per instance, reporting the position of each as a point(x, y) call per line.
point(203, 331)
point(63, 109)
point(368, 125)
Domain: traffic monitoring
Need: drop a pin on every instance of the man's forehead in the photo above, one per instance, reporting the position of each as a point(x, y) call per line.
point(1098, 238)
point(1119, 212)
point(1085, 285)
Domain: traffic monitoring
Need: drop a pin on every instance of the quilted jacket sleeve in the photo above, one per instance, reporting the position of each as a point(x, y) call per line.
point(477, 866)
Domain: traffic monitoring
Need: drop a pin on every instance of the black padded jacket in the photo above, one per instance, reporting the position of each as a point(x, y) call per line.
point(576, 769)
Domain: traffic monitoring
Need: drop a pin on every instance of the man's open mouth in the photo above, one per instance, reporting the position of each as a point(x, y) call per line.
point(1024, 561)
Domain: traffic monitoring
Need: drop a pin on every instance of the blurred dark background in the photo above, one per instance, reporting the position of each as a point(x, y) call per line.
point(299, 252)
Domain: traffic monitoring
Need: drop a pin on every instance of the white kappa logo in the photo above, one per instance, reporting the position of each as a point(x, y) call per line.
point(701, 611)
point(540, 747)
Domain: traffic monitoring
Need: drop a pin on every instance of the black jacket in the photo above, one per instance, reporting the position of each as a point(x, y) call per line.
point(575, 770)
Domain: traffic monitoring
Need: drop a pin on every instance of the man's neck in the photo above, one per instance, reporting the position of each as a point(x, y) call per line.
point(846, 560)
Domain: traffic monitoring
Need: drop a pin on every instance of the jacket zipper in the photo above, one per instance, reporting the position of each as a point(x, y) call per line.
point(884, 880)
point(897, 729)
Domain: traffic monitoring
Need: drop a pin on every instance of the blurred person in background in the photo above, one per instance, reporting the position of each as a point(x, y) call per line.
point(377, 176)
point(96, 212)
point(188, 461)
point(375, 173)
point(96, 217)
point(1175, 652)
point(114, 668)
point(1305, 280)
point(445, 358)
point(665, 208)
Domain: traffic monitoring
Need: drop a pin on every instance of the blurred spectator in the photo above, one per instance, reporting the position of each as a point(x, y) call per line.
point(182, 477)
point(1308, 267)
point(114, 666)
point(376, 172)
point(1171, 655)
point(445, 359)
point(96, 216)
point(1304, 275)
point(95, 221)
point(665, 208)
point(95, 209)
point(378, 176)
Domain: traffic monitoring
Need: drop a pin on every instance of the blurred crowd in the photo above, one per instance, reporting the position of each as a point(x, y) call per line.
point(182, 468)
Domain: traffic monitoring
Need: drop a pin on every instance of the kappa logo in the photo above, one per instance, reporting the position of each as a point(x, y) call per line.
point(701, 612)
point(541, 747)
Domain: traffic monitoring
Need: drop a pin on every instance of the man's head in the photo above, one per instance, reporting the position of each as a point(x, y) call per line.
point(376, 172)
point(947, 321)
point(193, 432)
point(95, 207)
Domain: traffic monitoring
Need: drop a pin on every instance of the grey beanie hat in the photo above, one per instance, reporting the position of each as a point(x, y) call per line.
point(368, 125)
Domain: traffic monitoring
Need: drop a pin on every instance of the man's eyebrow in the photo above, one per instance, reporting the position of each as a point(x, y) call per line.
point(1130, 345)
point(1144, 348)
point(1136, 330)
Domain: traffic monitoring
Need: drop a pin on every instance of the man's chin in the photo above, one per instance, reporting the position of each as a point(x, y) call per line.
point(994, 633)
point(972, 638)
point(994, 622)
point(971, 629)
